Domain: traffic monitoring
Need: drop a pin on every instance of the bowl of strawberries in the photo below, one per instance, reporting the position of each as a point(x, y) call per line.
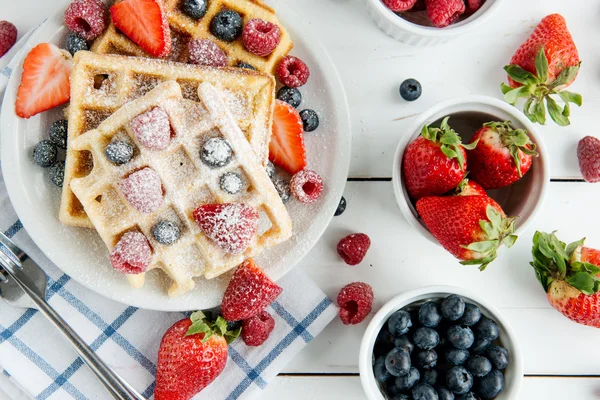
point(471, 174)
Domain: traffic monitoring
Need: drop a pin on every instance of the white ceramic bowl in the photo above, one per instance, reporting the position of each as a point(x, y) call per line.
point(419, 34)
point(523, 198)
point(513, 375)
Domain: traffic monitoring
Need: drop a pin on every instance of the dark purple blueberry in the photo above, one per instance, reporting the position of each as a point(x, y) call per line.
point(57, 173)
point(480, 346)
point(405, 343)
point(75, 43)
point(444, 393)
point(58, 133)
point(487, 329)
point(423, 391)
point(410, 90)
point(226, 25)
point(426, 338)
point(290, 95)
point(479, 366)
point(461, 337)
point(491, 385)
point(341, 207)
point(165, 232)
point(453, 307)
point(242, 64)
point(194, 9)
point(425, 359)
point(399, 323)
point(456, 356)
point(429, 314)
point(119, 152)
point(459, 380)
point(310, 120)
point(397, 362)
point(379, 370)
point(471, 316)
point(406, 382)
point(45, 153)
point(216, 152)
point(498, 356)
point(429, 376)
point(231, 183)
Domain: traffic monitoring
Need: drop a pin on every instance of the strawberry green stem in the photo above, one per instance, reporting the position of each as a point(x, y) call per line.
point(449, 139)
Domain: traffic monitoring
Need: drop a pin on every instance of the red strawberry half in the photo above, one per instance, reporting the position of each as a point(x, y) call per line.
point(45, 80)
point(287, 143)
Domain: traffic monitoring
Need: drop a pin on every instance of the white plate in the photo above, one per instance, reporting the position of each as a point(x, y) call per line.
point(80, 253)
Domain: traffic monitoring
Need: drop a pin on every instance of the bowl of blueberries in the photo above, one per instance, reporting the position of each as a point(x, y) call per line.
point(440, 343)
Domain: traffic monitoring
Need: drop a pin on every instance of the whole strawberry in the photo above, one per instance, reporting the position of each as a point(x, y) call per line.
point(569, 275)
point(435, 162)
point(471, 228)
point(588, 154)
point(543, 66)
point(468, 187)
point(502, 155)
point(192, 353)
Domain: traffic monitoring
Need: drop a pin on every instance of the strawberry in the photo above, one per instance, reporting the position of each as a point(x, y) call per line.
point(544, 65)
point(502, 155)
point(249, 292)
point(45, 80)
point(435, 162)
point(192, 353)
point(472, 228)
point(287, 142)
point(570, 276)
point(468, 187)
point(145, 23)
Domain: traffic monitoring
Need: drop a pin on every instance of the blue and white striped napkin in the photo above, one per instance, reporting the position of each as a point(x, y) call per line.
point(42, 365)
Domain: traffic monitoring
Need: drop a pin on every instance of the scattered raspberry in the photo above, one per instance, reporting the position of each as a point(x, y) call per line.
point(353, 248)
point(152, 129)
point(399, 5)
point(231, 226)
point(132, 253)
point(306, 186)
point(588, 153)
point(473, 6)
point(355, 301)
point(442, 13)
point(206, 52)
point(261, 37)
point(143, 190)
point(88, 18)
point(292, 72)
point(256, 329)
point(249, 292)
point(8, 36)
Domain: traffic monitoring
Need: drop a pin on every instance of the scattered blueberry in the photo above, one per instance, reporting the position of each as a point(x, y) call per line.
point(270, 168)
point(459, 380)
point(283, 189)
point(226, 25)
point(426, 338)
point(479, 366)
point(74, 43)
point(444, 393)
point(45, 153)
point(216, 152)
point(397, 362)
point(471, 316)
point(57, 173)
point(399, 323)
point(461, 337)
point(410, 90)
point(165, 232)
point(487, 329)
point(291, 96)
point(310, 120)
point(456, 356)
point(423, 391)
point(119, 152)
point(406, 382)
point(231, 183)
point(480, 346)
point(491, 384)
point(194, 9)
point(341, 207)
point(429, 314)
point(453, 307)
point(429, 377)
point(242, 64)
point(405, 343)
point(498, 356)
point(467, 396)
point(426, 359)
point(58, 133)
point(379, 370)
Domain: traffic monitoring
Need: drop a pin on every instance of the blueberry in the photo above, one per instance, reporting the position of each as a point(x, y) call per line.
point(480, 346)
point(425, 359)
point(233, 325)
point(426, 338)
point(270, 168)
point(429, 314)
point(479, 366)
point(456, 356)
point(119, 152)
point(467, 396)
point(498, 356)
point(341, 207)
point(226, 25)
point(165, 232)
point(410, 89)
point(399, 323)
point(471, 316)
point(397, 362)
point(310, 120)
point(453, 307)
point(231, 183)
point(45, 153)
point(406, 382)
point(423, 391)
point(384, 342)
point(216, 152)
point(392, 389)
point(405, 343)
point(461, 337)
point(58, 133)
point(290, 95)
point(379, 370)
point(74, 43)
point(459, 380)
point(400, 396)
point(242, 64)
point(444, 393)
point(487, 329)
point(283, 189)
point(429, 377)
point(194, 9)
point(57, 173)
point(491, 385)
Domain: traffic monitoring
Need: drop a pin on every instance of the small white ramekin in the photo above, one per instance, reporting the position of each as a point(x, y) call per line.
point(418, 35)
point(513, 375)
point(523, 198)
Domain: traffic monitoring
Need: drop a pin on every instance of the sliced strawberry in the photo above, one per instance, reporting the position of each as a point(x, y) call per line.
point(45, 80)
point(287, 143)
point(145, 23)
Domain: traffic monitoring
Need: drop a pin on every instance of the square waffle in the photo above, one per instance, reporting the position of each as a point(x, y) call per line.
point(184, 28)
point(187, 183)
point(100, 84)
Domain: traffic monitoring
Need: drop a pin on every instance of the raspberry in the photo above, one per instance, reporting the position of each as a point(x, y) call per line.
point(8, 36)
point(588, 153)
point(399, 5)
point(473, 5)
point(143, 190)
point(261, 37)
point(206, 52)
point(442, 13)
point(355, 301)
point(152, 129)
point(256, 329)
point(306, 186)
point(88, 18)
point(132, 253)
point(353, 248)
point(292, 72)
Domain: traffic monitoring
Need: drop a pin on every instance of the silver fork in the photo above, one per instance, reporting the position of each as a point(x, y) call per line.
point(23, 284)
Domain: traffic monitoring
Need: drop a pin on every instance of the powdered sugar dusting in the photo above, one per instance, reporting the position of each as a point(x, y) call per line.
point(143, 190)
point(132, 254)
point(152, 129)
point(206, 52)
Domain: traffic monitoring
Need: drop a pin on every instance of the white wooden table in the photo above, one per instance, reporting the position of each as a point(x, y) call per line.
point(562, 359)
